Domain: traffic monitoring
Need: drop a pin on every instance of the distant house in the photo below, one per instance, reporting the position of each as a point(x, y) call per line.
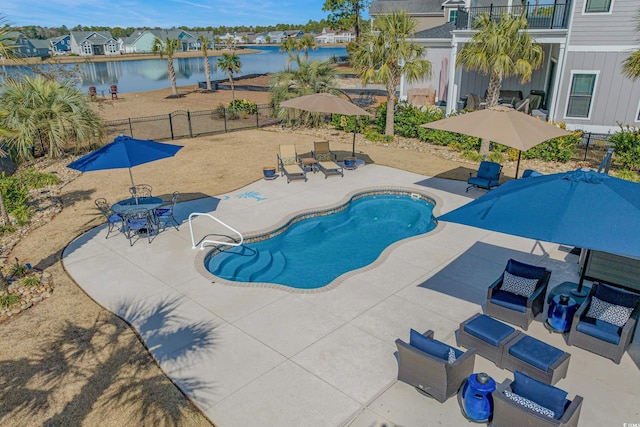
point(293, 34)
point(90, 43)
point(330, 36)
point(260, 38)
point(28, 48)
point(141, 41)
point(276, 36)
point(187, 40)
point(60, 45)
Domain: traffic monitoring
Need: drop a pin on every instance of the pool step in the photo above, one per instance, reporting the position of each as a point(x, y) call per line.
point(278, 265)
point(231, 260)
point(260, 264)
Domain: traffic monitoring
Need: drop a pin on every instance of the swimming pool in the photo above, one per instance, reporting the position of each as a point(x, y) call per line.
point(314, 248)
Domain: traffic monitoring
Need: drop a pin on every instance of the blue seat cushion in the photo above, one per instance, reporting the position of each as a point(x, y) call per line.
point(543, 394)
point(600, 329)
point(115, 218)
point(482, 182)
point(509, 300)
point(428, 345)
point(616, 296)
point(489, 330)
point(535, 352)
point(163, 211)
point(521, 269)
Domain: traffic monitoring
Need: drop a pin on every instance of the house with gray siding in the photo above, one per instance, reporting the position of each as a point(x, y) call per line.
point(27, 48)
point(89, 43)
point(584, 43)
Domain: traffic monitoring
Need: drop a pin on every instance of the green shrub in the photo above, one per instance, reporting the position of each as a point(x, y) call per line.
point(407, 118)
point(243, 105)
point(9, 300)
point(557, 149)
point(627, 175)
point(34, 179)
point(30, 281)
point(627, 147)
point(373, 135)
point(17, 269)
point(495, 156)
point(472, 155)
point(349, 123)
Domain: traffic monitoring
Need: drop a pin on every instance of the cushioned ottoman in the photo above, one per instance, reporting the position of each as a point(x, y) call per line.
point(535, 358)
point(487, 336)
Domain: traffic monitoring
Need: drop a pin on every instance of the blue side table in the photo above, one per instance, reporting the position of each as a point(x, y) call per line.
point(476, 401)
point(561, 310)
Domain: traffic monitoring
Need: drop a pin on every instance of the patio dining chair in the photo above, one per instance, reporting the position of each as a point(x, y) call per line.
point(164, 214)
point(140, 190)
point(114, 220)
point(138, 222)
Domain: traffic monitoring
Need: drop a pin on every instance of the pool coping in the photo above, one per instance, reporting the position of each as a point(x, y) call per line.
point(286, 222)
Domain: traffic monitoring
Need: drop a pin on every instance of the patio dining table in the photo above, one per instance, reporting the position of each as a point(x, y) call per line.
point(132, 204)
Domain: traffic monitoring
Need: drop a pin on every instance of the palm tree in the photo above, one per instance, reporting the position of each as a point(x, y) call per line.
point(309, 78)
point(169, 47)
point(7, 41)
point(384, 54)
point(501, 48)
point(47, 111)
point(204, 42)
point(305, 43)
point(288, 45)
point(230, 63)
point(217, 41)
point(4, 215)
point(631, 65)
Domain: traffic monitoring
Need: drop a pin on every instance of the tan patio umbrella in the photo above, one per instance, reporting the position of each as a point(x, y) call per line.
point(503, 125)
point(327, 103)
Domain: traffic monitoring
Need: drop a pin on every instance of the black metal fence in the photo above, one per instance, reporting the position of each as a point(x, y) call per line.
point(592, 149)
point(189, 124)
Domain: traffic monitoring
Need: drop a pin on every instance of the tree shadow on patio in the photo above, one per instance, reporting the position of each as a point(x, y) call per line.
point(37, 385)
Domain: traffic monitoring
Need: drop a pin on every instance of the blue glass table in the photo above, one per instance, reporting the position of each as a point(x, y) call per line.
point(560, 314)
point(128, 205)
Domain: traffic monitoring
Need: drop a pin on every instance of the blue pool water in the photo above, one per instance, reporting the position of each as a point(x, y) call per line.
point(314, 249)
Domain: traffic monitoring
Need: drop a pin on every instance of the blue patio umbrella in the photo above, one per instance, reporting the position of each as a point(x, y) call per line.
point(124, 152)
point(579, 208)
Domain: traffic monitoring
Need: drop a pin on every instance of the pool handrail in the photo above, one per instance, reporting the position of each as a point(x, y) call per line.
point(202, 243)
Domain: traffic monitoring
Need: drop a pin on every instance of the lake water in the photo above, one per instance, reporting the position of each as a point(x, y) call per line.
point(152, 74)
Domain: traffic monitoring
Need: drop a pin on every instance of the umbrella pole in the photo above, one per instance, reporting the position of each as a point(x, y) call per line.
point(353, 146)
point(579, 292)
point(135, 193)
point(518, 164)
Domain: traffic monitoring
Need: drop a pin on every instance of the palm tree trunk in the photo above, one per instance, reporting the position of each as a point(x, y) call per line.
point(493, 91)
point(232, 88)
point(4, 215)
point(172, 76)
point(207, 72)
point(388, 130)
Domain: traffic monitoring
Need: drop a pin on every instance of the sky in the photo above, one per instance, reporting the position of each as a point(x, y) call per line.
point(160, 13)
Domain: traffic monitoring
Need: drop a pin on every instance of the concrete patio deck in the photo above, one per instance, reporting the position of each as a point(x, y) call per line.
point(273, 357)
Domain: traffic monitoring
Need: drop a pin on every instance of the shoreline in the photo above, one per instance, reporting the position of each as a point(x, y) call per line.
point(75, 59)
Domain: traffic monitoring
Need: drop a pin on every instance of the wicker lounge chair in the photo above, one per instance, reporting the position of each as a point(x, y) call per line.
point(516, 308)
point(431, 374)
point(326, 159)
point(600, 336)
point(511, 411)
point(289, 163)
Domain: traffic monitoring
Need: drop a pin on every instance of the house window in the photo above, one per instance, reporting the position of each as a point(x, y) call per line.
point(581, 95)
point(453, 14)
point(597, 6)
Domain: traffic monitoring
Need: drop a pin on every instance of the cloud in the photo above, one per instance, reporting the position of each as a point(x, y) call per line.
point(204, 6)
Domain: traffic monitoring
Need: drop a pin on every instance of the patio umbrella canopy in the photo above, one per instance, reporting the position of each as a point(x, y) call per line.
point(329, 104)
point(579, 208)
point(124, 152)
point(501, 124)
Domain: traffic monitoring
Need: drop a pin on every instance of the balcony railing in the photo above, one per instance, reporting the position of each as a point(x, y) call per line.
point(539, 17)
